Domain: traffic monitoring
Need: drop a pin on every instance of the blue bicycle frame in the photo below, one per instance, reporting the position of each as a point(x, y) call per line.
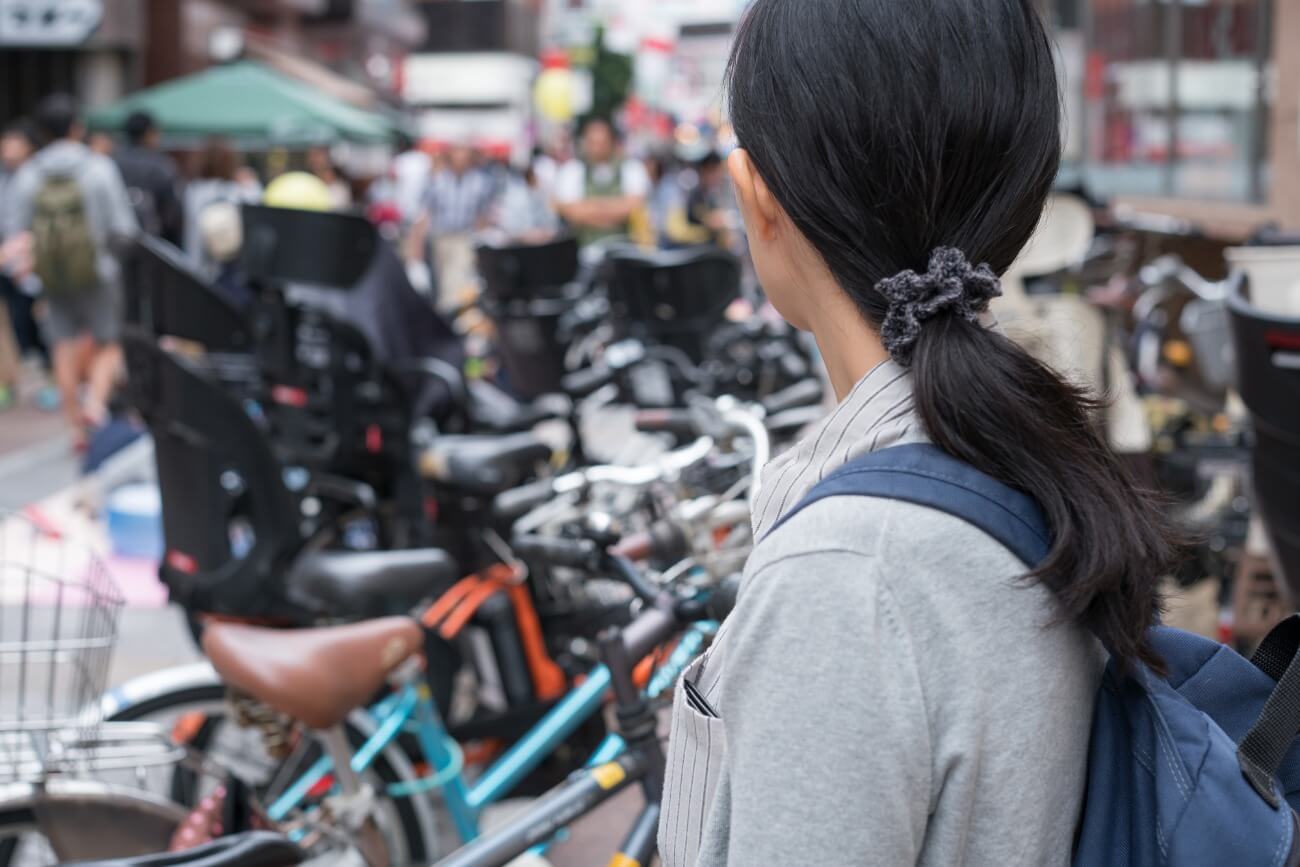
point(412, 708)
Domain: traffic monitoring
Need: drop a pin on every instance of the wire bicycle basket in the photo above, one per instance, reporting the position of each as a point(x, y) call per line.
point(59, 614)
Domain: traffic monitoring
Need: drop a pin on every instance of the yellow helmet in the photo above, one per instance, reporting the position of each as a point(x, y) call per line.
point(301, 190)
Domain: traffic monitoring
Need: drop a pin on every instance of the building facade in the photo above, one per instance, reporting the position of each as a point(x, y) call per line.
point(1189, 108)
point(112, 47)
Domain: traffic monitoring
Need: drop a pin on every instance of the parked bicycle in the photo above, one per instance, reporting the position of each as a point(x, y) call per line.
point(59, 796)
point(335, 772)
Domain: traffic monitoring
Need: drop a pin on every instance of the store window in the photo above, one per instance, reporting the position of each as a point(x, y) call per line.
point(1175, 100)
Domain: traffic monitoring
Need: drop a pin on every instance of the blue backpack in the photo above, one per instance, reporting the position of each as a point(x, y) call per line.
point(1196, 768)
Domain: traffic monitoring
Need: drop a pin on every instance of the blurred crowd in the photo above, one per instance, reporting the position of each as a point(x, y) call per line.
point(455, 197)
point(72, 201)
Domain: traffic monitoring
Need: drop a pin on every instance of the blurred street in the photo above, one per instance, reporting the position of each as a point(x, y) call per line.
point(36, 459)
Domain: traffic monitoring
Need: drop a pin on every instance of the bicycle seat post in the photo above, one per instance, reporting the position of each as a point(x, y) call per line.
point(637, 721)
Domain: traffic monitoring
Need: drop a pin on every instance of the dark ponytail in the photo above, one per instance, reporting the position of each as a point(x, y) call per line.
point(888, 130)
point(985, 400)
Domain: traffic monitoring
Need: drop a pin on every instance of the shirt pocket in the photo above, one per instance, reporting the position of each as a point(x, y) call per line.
point(696, 749)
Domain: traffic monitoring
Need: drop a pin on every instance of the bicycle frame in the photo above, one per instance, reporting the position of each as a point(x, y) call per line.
point(579, 795)
point(412, 707)
point(641, 761)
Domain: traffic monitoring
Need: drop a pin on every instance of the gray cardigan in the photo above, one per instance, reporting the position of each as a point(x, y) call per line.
point(888, 692)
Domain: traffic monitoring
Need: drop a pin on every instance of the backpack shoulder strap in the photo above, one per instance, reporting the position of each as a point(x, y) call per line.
point(925, 475)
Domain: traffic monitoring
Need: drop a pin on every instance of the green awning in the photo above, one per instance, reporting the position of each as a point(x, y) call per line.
point(249, 103)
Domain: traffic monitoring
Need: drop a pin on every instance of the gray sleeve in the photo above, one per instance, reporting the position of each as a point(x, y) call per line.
point(122, 225)
point(17, 214)
point(828, 741)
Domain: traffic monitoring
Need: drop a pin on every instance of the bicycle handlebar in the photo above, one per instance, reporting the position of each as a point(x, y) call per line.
point(807, 392)
point(582, 554)
point(582, 383)
point(619, 357)
point(1166, 268)
point(665, 616)
point(678, 422)
point(665, 542)
point(516, 502)
point(587, 556)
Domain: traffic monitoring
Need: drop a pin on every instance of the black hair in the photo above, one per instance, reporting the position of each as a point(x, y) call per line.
point(56, 116)
point(138, 125)
point(25, 129)
point(886, 130)
point(615, 133)
point(710, 160)
point(218, 160)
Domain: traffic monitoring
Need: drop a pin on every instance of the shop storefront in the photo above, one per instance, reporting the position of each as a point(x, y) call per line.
point(1186, 107)
point(86, 47)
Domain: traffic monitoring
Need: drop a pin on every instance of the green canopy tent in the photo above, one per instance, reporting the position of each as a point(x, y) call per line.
point(249, 103)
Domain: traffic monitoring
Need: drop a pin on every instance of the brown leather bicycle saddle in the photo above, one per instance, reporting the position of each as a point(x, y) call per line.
point(316, 676)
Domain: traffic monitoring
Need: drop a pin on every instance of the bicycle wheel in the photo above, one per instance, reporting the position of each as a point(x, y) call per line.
point(64, 820)
point(197, 717)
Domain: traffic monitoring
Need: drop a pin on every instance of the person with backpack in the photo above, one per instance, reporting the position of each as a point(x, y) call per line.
point(151, 177)
point(213, 226)
point(896, 685)
point(75, 207)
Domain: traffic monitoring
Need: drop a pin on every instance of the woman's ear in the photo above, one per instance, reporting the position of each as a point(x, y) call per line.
point(757, 204)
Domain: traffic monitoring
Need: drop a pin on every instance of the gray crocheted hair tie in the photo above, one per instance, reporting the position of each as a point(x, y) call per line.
point(951, 285)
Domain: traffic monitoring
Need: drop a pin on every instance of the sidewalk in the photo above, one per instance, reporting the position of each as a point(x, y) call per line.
point(36, 456)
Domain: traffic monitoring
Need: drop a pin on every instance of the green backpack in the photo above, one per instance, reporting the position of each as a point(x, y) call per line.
point(63, 247)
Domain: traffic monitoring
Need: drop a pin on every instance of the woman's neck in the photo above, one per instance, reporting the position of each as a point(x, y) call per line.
point(849, 346)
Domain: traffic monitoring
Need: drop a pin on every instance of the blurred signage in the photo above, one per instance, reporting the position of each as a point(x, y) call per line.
point(1202, 85)
point(49, 22)
point(472, 78)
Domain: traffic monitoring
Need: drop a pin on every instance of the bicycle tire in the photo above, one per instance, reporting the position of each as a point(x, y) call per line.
point(418, 817)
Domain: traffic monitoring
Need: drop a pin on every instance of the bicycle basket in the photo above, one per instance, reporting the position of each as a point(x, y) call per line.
point(59, 610)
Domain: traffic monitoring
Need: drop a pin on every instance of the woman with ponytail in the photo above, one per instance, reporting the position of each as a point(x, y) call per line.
point(894, 686)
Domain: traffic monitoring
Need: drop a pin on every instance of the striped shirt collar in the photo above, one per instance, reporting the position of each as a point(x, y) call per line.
point(877, 413)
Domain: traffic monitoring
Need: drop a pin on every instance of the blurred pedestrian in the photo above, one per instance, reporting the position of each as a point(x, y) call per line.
point(213, 228)
point(151, 178)
point(321, 164)
point(76, 207)
point(708, 205)
point(598, 193)
point(664, 200)
point(101, 143)
point(523, 212)
point(411, 171)
point(18, 332)
point(496, 167)
point(548, 161)
point(456, 205)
